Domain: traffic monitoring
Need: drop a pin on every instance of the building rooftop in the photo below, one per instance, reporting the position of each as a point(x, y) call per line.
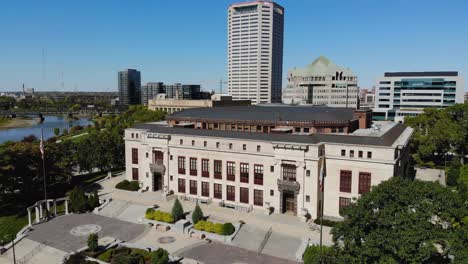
point(386, 138)
point(322, 66)
point(422, 74)
point(273, 113)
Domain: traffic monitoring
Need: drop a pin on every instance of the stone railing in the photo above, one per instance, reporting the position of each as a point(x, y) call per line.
point(287, 185)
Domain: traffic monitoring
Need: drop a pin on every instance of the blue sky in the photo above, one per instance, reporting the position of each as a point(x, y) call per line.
point(86, 42)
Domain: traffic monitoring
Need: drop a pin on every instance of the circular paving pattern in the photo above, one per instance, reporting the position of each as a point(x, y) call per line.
point(166, 240)
point(85, 230)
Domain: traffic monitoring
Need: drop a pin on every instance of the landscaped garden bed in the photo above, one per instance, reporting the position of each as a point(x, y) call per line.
point(128, 186)
point(159, 216)
point(225, 229)
point(130, 255)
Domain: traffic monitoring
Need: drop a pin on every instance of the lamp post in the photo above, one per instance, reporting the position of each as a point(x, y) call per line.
point(13, 246)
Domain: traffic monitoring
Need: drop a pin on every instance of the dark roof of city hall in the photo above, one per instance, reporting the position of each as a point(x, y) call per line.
point(387, 139)
point(274, 113)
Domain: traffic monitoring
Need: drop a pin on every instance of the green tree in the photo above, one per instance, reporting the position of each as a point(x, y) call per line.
point(403, 221)
point(439, 133)
point(56, 131)
point(197, 214)
point(177, 210)
point(93, 242)
point(315, 255)
point(78, 200)
point(160, 256)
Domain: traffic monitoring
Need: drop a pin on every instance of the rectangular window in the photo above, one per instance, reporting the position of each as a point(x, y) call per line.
point(369, 155)
point(258, 197)
point(244, 172)
point(218, 191)
point(364, 182)
point(181, 164)
point(205, 168)
point(230, 193)
point(193, 142)
point(272, 192)
point(218, 168)
point(134, 156)
point(345, 181)
point(289, 172)
point(343, 152)
point(217, 144)
point(181, 142)
point(258, 174)
point(193, 166)
point(135, 174)
point(230, 145)
point(182, 185)
point(205, 143)
point(272, 168)
point(351, 153)
point(231, 171)
point(344, 202)
point(307, 198)
point(205, 189)
point(193, 187)
point(244, 195)
point(360, 154)
point(244, 147)
point(259, 148)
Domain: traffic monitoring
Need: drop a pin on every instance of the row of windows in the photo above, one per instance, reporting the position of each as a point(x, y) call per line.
point(218, 144)
point(218, 168)
point(360, 154)
point(218, 191)
point(346, 180)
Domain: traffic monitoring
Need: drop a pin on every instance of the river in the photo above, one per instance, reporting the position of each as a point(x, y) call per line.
point(50, 122)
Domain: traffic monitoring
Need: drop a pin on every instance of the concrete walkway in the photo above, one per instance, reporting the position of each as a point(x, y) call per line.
point(31, 252)
point(280, 223)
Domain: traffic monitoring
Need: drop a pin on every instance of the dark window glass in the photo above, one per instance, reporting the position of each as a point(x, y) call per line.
point(135, 174)
point(230, 193)
point(205, 189)
point(218, 191)
point(345, 181)
point(205, 168)
point(182, 185)
point(364, 182)
point(218, 168)
point(258, 174)
point(244, 195)
point(231, 171)
point(193, 187)
point(244, 172)
point(289, 172)
point(134, 156)
point(258, 197)
point(193, 166)
point(181, 165)
point(344, 202)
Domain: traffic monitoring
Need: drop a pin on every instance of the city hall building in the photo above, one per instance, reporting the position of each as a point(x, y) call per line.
point(261, 170)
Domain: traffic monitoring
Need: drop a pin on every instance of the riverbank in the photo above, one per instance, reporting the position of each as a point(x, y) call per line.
point(18, 122)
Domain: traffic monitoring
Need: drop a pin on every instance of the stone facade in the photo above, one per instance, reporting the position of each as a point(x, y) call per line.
point(284, 174)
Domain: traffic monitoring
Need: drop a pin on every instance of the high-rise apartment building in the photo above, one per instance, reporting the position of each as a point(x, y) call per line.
point(129, 87)
point(400, 94)
point(185, 91)
point(322, 83)
point(255, 51)
point(150, 91)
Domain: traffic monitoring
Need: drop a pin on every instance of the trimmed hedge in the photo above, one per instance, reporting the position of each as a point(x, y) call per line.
point(128, 186)
point(216, 228)
point(158, 215)
point(325, 222)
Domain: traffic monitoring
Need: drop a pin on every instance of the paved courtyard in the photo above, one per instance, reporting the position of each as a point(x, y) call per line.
point(56, 232)
point(216, 253)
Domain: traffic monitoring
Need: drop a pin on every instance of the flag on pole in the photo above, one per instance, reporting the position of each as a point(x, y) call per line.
point(41, 145)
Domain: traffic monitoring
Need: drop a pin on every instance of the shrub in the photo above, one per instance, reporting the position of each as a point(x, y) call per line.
point(160, 256)
point(106, 256)
point(77, 258)
point(128, 186)
point(312, 254)
point(127, 259)
point(159, 216)
point(78, 200)
point(93, 200)
point(142, 252)
point(93, 242)
point(220, 229)
point(228, 229)
point(177, 210)
point(197, 214)
point(325, 222)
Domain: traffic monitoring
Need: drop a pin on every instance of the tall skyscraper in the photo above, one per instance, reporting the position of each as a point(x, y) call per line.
point(150, 91)
point(129, 87)
point(255, 51)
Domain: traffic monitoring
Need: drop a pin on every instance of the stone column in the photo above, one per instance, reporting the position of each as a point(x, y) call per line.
point(48, 205)
point(66, 207)
point(29, 217)
point(55, 207)
point(37, 214)
point(40, 210)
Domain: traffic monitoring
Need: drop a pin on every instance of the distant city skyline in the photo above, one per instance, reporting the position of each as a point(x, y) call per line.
point(57, 45)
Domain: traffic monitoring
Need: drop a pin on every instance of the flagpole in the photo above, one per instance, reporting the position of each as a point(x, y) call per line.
point(43, 169)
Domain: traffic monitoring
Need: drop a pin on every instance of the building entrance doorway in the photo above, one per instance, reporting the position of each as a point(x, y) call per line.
point(289, 203)
point(157, 181)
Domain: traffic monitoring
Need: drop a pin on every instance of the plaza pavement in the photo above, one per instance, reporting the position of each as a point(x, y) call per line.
point(56, 232)
point(31, 252)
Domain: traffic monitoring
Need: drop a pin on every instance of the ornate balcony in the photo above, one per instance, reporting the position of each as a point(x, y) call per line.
point(157, 166)
point(287, 185)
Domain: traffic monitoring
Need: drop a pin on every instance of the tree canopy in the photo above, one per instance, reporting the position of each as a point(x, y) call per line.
point(440, 132)
point(404, 221)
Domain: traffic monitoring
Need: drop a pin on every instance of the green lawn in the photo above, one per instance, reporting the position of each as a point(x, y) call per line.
point(10, 225)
